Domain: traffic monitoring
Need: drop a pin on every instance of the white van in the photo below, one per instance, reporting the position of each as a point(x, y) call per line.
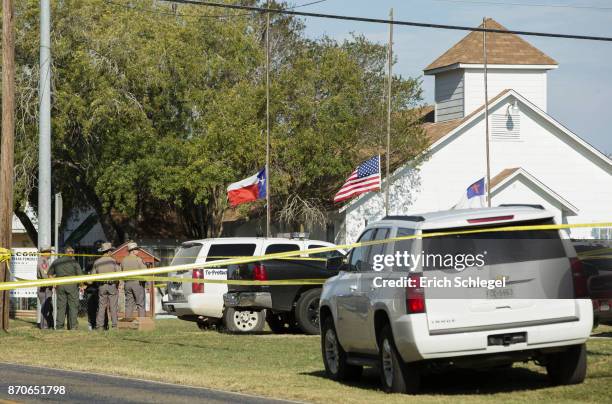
point(203, 302)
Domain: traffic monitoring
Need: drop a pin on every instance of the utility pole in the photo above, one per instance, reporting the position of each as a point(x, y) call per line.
point(268, 122)
point(486, 104)
point(7, 149)
point(389, 83)
point(44, 134)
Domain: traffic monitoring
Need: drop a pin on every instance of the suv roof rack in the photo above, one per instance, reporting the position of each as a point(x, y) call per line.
point(407, 218)
point(518, 205)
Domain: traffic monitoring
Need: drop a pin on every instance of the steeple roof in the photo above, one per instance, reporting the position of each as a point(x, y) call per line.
point(502, 49)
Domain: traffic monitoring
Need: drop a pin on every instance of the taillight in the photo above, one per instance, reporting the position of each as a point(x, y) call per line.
point(260, 273)
point(579, 278)
point(197, 287)
point(415, 295)
point(491, 219)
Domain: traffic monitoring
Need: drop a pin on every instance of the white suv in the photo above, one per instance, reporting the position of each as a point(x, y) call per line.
point(521, 298)
point(203, 302)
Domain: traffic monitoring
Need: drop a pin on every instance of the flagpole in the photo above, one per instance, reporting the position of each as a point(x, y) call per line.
point(268, 122)
point(486, 103)
point(389, 80)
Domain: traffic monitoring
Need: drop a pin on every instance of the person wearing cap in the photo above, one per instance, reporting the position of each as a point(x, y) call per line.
point(67, 296)
point(45, 293)
point(134, 290)
point(107, 290)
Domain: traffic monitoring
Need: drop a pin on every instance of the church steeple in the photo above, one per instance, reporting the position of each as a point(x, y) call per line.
point(512, 63)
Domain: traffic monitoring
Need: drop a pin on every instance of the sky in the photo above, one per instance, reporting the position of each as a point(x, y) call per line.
point(579, 91)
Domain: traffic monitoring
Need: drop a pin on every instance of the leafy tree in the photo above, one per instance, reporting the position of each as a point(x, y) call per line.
point(155, 112)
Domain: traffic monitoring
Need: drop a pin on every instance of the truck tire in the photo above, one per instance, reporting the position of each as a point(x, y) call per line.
point(568, 367)
point(334, 357)
point(307, 311)
point(244, 321)
point(395, 375)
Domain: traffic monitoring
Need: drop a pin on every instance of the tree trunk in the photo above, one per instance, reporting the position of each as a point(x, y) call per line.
point(112, 230)
point(28, 225)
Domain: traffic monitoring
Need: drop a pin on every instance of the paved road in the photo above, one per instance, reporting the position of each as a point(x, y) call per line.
point(84, 387)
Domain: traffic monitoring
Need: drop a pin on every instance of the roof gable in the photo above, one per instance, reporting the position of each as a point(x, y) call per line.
point(502, 49)
point(437, 133)
point(510, 174)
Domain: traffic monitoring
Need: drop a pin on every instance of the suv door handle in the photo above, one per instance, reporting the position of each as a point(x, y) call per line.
point(353, 288)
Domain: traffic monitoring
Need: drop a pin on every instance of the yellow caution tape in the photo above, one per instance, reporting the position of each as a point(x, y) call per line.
point(595, 252)
point(187, 267)
point(5, 255)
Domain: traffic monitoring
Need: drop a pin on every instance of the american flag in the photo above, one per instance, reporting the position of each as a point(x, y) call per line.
point(365, 178)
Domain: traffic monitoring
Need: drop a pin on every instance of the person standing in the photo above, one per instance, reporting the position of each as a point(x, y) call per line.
point(45, 293)
point(107, 290)
point(134, 290)
point(67, 296)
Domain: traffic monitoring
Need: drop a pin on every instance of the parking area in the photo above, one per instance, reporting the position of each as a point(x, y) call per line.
point(279, 366)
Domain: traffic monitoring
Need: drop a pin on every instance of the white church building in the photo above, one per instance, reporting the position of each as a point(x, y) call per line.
point(534, 159)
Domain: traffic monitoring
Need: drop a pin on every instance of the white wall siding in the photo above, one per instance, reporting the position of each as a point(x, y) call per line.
point(449, 95)
point(544, 151)
point(531, 84)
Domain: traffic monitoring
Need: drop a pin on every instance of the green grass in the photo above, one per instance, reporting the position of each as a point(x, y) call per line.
point(279, 366)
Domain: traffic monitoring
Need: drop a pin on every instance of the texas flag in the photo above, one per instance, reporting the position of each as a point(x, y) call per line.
point(473, 197)
point(248, 190)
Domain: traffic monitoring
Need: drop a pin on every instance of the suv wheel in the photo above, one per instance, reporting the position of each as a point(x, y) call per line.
point(395, 375)
point(568, 367)
point(243, 321)
point(334, 357)
point(307, 311)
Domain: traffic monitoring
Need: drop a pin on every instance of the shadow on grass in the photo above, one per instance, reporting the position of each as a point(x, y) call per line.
point(460, 382)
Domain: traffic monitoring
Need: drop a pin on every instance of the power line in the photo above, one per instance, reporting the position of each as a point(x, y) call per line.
point(172, 14)
point(573, 6)
point(396, 22)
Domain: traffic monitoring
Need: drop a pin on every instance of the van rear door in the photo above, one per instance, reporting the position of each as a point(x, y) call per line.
point(534, 264)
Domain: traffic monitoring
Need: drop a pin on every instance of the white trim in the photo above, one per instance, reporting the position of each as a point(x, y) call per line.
point(455, 66)
point(522, 172)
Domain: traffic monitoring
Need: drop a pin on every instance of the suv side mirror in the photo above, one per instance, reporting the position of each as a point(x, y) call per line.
point(336, 263)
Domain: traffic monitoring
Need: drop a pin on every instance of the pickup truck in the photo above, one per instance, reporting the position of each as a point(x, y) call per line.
point(288, 307)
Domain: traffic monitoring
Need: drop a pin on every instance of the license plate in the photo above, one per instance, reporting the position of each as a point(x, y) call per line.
point(604, 307)
point(500, 293)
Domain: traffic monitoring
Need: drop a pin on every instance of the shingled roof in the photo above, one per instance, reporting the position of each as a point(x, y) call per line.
point(502, 49)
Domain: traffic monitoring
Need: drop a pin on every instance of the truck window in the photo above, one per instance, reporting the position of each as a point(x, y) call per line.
point(222, 251)
point(326, 255)
point(186, 254)
point(280, 248)
point(359, 255)
point(499, 247)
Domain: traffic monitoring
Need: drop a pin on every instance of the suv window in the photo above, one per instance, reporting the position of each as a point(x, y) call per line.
point(359, 255)
point(376, 249)
point(222, 251)
point(500, 247)
point(280, 248)
point(403, 246)
point(186, 254)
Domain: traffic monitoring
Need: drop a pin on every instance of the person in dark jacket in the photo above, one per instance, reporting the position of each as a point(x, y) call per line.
point(67, 296)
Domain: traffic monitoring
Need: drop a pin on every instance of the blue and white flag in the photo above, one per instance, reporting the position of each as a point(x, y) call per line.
point(474, 196)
